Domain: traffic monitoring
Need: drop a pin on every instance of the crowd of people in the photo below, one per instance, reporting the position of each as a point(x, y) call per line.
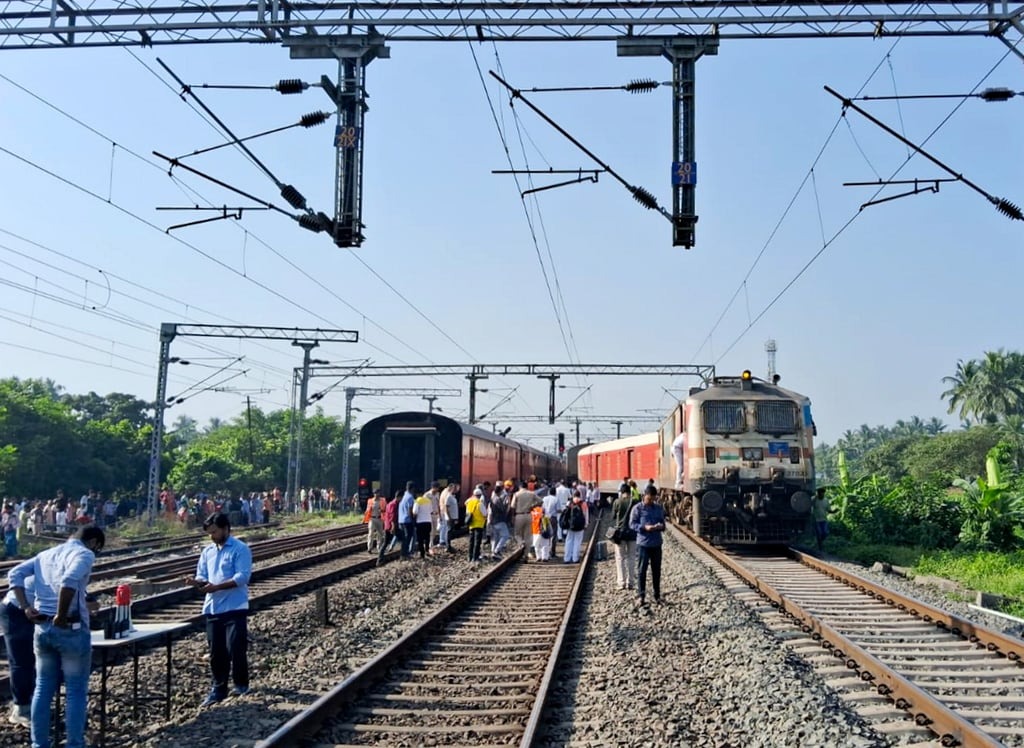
point(60, 515)
point(190, 508)
point(532, 514)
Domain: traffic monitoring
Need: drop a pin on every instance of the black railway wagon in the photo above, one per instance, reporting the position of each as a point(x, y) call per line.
point(423, 447)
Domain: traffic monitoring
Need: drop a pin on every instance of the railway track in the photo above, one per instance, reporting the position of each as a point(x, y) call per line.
point(135, 550)
point(269, 584)
point(478, 671)
point(956, 682)
point(162, 570)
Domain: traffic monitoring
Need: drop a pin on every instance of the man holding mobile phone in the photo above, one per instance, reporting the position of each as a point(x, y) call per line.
point(648, 521)
point(223, 573)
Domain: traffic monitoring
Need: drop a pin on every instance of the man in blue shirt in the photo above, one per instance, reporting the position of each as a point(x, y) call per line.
point(648, 521)
point(406, 520)
point(62, 644)
point(223, 575)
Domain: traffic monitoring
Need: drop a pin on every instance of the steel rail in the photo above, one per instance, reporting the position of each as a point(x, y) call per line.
point(323, 709)
point(533, 724)
point(929, 712)
point(313, 717)
point(149, 569)
point(994, 641)
point(191, 599)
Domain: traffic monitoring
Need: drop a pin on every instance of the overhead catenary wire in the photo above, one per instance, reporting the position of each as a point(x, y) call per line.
point(785, 212)
point(306, 274)
point(782, 292)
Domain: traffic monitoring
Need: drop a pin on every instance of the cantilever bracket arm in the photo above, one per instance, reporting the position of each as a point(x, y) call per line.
point(226, 212)
point(581, 177)
point(921, 186)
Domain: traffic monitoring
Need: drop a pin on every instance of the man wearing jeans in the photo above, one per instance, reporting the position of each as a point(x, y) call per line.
point(18, 635)
point(647, 520)
point(223, 574)
point(61, 616)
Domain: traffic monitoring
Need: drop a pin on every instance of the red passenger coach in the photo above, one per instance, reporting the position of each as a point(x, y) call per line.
point(606, 464)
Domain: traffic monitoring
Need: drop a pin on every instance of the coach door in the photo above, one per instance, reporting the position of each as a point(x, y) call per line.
point(629, 463)
point(407, 455)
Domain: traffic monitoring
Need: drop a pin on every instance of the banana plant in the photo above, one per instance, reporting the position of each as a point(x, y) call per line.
point(991, 510)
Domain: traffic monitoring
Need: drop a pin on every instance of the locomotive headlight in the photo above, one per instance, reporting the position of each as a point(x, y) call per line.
point(753, 454)
point(800, 502)
point(794, 455)
point(711, 502)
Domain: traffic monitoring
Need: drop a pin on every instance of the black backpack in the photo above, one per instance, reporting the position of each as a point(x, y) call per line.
point(576, 519)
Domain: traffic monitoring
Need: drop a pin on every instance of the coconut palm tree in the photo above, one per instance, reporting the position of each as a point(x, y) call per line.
point(962, 386)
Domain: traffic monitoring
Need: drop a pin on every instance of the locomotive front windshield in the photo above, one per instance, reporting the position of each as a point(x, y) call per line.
point(724, 417)
point(777, 417)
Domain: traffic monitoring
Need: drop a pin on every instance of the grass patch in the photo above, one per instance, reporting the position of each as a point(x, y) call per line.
point(988, 571)
point(869, 553)
point(985, 571)
point(292, 522)
point(131, 529)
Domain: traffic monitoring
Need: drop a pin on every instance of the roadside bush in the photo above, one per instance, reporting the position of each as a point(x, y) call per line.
point(876, 509)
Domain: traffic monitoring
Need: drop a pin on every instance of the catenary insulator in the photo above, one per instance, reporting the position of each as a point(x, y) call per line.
point(311, 223)
point(643, 85)
point(314, 118)
point(1008, 209)
point(997, 94)
point(293, 196)
point(645, 198)
point(291, 86)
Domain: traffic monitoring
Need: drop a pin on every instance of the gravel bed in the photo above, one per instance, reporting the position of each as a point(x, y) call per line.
point(292, 660)
point(949, 600)
point(698, 670)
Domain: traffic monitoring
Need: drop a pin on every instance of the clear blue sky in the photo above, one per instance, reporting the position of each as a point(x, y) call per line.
point(867, 332)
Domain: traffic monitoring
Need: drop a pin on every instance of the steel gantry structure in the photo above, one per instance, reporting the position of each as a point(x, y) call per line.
point(305, 338)
point(551, 372)
point(355, 33)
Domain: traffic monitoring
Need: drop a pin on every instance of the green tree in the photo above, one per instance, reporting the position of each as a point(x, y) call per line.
point(988, 390)
point(115, 407)
point(889, 459)
point(947, 456)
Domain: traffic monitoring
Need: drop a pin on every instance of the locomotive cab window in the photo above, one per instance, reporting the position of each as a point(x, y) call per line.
point(724, 417)
point(777, 417)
